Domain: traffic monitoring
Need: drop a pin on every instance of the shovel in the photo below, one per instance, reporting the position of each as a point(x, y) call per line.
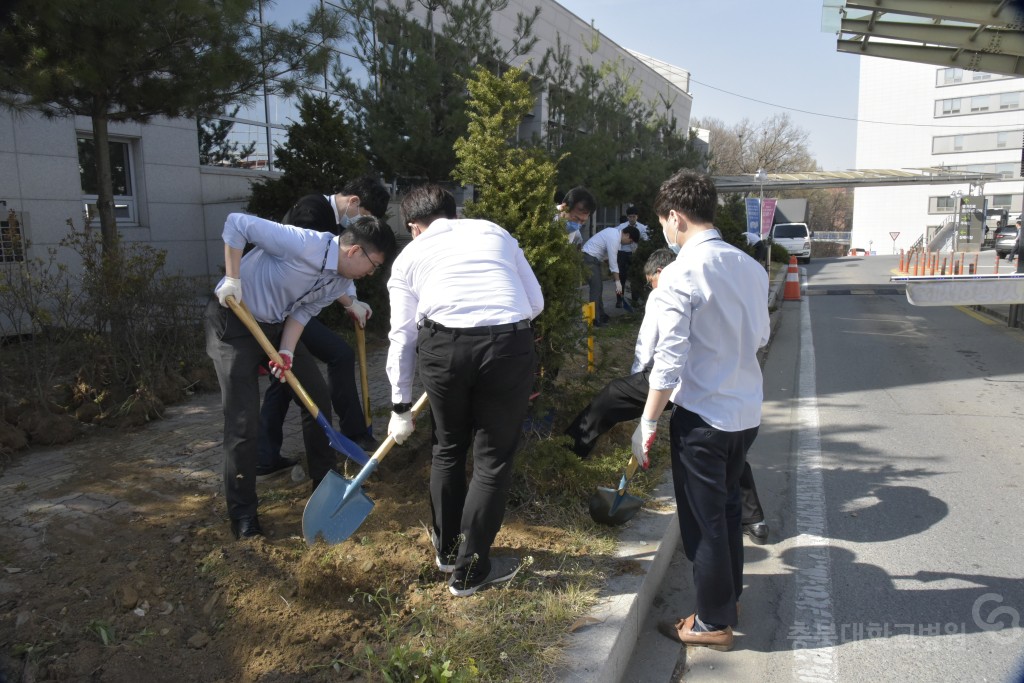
point(614, 506)
point(361, 349)
point(337, 441)
point(339, 505)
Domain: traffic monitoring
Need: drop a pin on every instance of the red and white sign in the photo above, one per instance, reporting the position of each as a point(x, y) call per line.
point(894, 235)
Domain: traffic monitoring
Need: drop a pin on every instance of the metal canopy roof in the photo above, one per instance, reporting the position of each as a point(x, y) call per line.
point(976, 35)
point(854, 178)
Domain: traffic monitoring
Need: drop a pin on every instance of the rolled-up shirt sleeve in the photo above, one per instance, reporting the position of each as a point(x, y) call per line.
point(647, 338)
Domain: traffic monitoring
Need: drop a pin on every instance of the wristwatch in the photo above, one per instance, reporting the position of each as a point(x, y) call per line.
point(399, 408)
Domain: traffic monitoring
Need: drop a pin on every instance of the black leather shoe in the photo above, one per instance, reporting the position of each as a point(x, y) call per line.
point(246, 527)
point(758, 532)
point(278, 466)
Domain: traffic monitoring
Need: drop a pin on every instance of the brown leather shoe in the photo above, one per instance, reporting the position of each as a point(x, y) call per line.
point(682, 632)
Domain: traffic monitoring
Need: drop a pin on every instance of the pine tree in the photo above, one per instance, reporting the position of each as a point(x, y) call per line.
point(515, 188)
point(319, 155)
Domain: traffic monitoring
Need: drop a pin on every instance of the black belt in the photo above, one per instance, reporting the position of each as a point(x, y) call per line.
point(476, 331)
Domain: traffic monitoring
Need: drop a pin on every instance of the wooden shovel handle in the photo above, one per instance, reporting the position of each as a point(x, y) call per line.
point(361, 349)
point(242, 311)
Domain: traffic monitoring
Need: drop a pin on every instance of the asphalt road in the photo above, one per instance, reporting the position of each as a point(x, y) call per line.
point(890, 466)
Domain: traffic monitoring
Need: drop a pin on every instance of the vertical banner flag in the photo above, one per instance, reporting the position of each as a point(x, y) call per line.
point(767, 216)
point(753, 215)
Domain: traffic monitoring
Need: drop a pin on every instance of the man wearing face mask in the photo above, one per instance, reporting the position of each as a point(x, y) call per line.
point(325, 213)
point(575, 210)
point(712, 317)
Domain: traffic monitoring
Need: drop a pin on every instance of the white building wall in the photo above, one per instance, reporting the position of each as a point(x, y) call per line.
point(893, 91)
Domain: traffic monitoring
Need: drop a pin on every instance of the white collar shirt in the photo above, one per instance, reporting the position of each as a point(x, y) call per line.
point(603, 244)
point(291, 272)
point(458, 273)
point(712, 318)
point(647, 337)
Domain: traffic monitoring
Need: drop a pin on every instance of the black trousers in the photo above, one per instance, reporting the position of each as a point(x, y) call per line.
point(329, 348)
point(236, 356)
point(623, 399)
point(624, 259)
point(479, 388)
point(706, 468)
point(595, 283)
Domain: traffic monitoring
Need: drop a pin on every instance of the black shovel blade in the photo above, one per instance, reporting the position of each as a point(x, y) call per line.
point(608, 506)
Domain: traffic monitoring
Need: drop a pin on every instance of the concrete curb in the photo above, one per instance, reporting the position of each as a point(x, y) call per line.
point(600, 653)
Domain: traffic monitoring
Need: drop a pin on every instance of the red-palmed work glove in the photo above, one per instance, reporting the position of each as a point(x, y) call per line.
point(643, 439)
point(359, 312)
point(286, 364)
point(229, 286)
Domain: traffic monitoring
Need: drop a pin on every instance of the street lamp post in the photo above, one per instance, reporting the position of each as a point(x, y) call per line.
point(956, 221)
point(760, 177)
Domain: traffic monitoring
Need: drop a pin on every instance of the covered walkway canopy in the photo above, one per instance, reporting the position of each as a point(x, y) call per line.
point(975, 35)
point(813, 180)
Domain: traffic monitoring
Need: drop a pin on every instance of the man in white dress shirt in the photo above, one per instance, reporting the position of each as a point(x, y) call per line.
point(604, 248)
point(712, 310)
point(625, 255)
point(462, 300)
point(285, 281)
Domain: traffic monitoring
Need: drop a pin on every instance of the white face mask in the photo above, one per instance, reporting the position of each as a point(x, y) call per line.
point(671, 242)
point(345, 218)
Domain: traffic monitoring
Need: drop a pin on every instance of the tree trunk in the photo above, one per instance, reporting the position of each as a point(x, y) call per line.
point(105, 190)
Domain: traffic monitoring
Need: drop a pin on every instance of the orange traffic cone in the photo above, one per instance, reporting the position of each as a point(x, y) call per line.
point(792, 291)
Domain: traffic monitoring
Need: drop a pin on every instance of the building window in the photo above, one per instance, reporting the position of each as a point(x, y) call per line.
point(944, 204)
point(947, 107)
point(949, 76)
point(979, 103)
point(12, 246)
point(980, 76)
point(958, 143)
point(1001, 201)
point(122, 172)
point(1009, 100)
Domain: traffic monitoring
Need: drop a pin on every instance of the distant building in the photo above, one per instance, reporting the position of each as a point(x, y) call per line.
point(166, 197)
point(952, 118)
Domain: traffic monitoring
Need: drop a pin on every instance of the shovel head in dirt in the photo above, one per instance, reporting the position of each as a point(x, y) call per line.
point(339, 506)
point(614, 506)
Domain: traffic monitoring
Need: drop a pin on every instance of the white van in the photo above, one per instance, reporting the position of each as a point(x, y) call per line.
point(795, 238)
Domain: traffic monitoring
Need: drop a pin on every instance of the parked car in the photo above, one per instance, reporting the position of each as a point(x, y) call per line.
point(1006, 238)
point(795, 238)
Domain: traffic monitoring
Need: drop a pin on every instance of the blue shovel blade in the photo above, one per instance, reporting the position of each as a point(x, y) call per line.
point(335, 510)
point(341, 443)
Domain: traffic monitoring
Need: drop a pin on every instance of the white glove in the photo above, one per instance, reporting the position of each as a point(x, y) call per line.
point(643, 439)
point(401, 426)
point(618, 287)
point(286, 364)
point(230, 286)
point(359, 312)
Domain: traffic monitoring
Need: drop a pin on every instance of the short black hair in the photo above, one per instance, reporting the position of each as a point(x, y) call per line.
point(373, 195)
point(372, 233)
point(658, 259)
point(631, 211)
point(690, 193)
point(580, 195)
point(633, 232)
point(426, 203)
